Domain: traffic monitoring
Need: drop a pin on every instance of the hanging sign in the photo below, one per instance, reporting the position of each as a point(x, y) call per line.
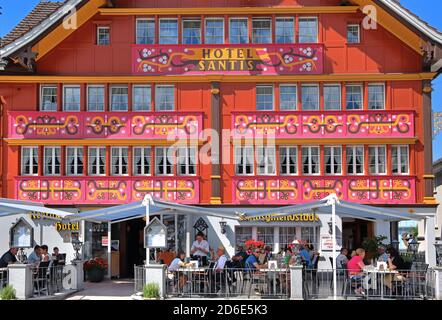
point(327, 243)
point(268, 59)
point(155, 234)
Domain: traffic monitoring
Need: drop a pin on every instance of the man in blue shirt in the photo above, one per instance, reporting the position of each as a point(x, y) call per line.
point(35, 256)
point(252, 261)
point(306, 257)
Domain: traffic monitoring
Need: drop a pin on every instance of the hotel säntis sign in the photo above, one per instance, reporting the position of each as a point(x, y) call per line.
point(268, 59)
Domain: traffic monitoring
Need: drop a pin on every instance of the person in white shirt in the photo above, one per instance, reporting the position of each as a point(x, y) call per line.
point(174, 267)
point(341, 259)
point(222, 259)
point(218, 274)
point(200, 248)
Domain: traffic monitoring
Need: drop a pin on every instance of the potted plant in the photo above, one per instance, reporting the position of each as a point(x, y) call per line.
point(253, 244)
point(7, 293)
point(151, 291)
point(95, 269)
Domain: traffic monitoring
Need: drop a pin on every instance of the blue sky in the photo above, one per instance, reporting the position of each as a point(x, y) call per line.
point(429, 10)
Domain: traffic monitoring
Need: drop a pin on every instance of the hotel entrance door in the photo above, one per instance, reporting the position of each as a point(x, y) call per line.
point(354, 231)
point(131, 246)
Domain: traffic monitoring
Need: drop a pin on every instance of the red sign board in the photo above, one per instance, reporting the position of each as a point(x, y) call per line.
point(267, 59)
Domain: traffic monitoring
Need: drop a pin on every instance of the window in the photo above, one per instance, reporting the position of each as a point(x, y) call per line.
point(310, 97)
point(141, 161)
point(354, 97)
point(376, 96)
point(288, 160)
point(145, 31)
point(214, 31)
point(29, 161)
point(191, 31)
point(52, 161)
point(308, 235)
point(164, 98)
point(288, 98)
point(186, 161)
point(333, 160)
point(244, 161)
point(377, 158)
point(308, 30)
point(95, 98)
point(164, 161)
point(74, 161)
point(239, 31)
point(242, 234)
point(96, 161)
point(168, 31)
point(119, 98)
point(284, 32)
point(262, 30)
point(48, 98)
point(119, 161)
point(71, 98)
point(310, 160)
point(267, 235)
point(264, 98)
point(399, 159)
point(286, 236)
point(353, 33)
point(332, 97)
point(103, 36)
point(355, 160)
point(141, 99)
point(266, 159)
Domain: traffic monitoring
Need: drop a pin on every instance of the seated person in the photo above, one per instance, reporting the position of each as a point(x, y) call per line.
point(175, 265)
point(8, 257)
point(341, 259)
point(383, 257)
point(395, 262)
point(306, 258)
point(252, 261)
point(355, 269)
point(57, 257)
point(217, 274)
point(239, 259)
point(35, 257)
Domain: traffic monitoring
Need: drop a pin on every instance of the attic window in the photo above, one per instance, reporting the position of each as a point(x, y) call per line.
point(103, 35)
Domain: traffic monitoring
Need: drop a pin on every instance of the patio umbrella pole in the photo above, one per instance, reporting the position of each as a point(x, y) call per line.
point(147, 223)
point(334, 247)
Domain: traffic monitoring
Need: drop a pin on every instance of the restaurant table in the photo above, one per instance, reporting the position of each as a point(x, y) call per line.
point(271, 274)
point(192, 272)
point(372, 274)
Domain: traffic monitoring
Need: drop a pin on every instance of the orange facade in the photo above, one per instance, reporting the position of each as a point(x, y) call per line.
point(380, 57)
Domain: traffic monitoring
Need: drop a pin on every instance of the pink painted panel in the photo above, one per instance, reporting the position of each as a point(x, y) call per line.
point(296, 190)
point(253, 59)
point(88, 190)
point(108, 125)
point(323, 124)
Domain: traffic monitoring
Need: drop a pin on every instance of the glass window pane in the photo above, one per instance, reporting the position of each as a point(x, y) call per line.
point(310, 97)
point(332, 97)
point(288, 97)
point(164, 98)
point(48, 98)
point(95, 98)
point(168, 31)
point(284, 32)
point(141, 98)
point(238, 31)
point(353, 35)
point(145, 31)
point(71, 99)
point(376, 96)
point(103, 36)
point(119, 99)
point(264, 98)
point(214, 31)
point(308, 30)
point(191, 31)
point(354, 97)
point(262, 31)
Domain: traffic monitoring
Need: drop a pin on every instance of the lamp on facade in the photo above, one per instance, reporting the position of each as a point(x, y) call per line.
point(223, 225)
point(438, 246)
point(330, 226)
point(76, 244)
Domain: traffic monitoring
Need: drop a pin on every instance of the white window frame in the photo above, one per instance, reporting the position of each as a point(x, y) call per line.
point(318, 96)
point(223, 28)
point(110, 97)
point(177, 29)
point(399, 161)
point(120, 156)
point(244, 155)
point(143, 164)
point(294, 29)
point(187, 156)
point(157, 106)
point(296, 94)
point(267, 153)
point(310, 162)
point(136, 30)
point(271, 29)
point(71, 86)
point(350, 25)
point(317, 28)
point(368, 94)
point(287, 165)
point(273, 96)
point(53, 156)
point(164, 157)
point(87, 96)
point(75, 157)
point(332, 161)
point(328, 85)
point(99, 151)
point(362, 94)
point(135, 86)
point(41, 97)
point(32, 150)
point(248, 33)
point(377, 157)
point(354, 164)
point(200, 32)
point(98, 35)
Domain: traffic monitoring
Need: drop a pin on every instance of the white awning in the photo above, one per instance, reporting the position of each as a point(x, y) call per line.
point(9, 207)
